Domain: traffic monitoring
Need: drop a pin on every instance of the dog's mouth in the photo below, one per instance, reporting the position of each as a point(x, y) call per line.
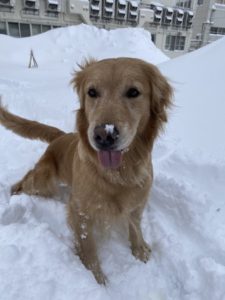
point(110, 143)
point(110, 159)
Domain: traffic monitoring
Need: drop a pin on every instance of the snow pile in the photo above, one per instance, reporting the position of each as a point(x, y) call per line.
point(199, 116)
point(185, 220)
point(73, 44)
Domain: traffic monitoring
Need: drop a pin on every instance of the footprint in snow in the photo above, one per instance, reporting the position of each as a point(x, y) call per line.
point(13, 214)
point(4, 193)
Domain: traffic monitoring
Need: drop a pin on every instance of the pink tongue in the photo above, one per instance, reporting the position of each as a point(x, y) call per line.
point(110, 159)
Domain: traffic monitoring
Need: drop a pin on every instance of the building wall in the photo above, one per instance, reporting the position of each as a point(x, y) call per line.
point(161, 35)
point(201, 19)
point(40, 16)
point(219, 16)
point(173, 39)
point(208, 23)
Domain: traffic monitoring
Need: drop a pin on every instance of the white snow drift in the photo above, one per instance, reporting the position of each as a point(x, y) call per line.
point(184, 220)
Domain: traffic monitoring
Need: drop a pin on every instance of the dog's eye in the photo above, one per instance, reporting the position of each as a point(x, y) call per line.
point(132, 93)
point(93, 93)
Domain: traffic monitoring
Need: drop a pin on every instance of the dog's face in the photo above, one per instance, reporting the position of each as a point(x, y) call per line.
point(119, 97)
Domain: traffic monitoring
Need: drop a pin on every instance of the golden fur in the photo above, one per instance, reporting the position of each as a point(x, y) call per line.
point(100, 194)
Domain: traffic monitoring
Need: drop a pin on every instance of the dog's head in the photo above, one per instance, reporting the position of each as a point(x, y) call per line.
point(120, 99)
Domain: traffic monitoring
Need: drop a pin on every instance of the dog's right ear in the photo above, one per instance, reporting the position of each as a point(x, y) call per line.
point(79, 77)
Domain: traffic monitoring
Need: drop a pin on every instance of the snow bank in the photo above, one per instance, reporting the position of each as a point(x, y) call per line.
point(185, 220)
point(198, 118)
point(73, 44)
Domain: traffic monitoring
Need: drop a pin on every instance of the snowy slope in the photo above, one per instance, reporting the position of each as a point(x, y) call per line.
point(185, 220)
point(190, 173)
point(200, 99)
point(73, 44)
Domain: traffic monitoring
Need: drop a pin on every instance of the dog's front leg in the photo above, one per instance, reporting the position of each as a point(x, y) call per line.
point(140, 249)
point(82, 225)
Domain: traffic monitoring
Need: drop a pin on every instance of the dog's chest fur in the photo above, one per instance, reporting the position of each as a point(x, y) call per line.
point(109, 194)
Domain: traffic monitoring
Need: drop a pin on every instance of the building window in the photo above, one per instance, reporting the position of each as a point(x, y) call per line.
point(5, 6)
point(53, 6)
point(213, 30)
point(200, 2)
point(14, 29)
point(36, 29)
point(180, 43)
point(30, 4)
point(153, 37)
point(5, 2)
point(3, 28)
point(45, 28)
point(184, 3)
point(170, 42)
point(31, 7)
point(122, 5)
point(175, 42)
point(95, 2)
point(52, 14)
point(217, 30)
point(24, 30)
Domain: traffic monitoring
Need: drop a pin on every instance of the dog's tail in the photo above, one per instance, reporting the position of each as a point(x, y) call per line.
point(28, 129)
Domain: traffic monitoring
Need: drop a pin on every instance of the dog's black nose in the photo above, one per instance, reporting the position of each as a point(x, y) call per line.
point(105, 136)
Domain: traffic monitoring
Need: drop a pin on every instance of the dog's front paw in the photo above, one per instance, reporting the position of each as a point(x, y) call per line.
point(16, 189)
point(95, 268)
point(100, 277)
point(142, 252)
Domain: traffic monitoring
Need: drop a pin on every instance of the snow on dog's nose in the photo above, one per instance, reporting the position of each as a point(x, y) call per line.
point(105, 137)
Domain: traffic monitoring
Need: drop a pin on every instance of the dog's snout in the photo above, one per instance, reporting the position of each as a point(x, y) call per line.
point(105, 136)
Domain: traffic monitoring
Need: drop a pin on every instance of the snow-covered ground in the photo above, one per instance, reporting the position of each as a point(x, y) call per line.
point(184, 220)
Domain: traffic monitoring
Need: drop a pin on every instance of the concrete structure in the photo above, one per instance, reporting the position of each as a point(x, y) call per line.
point(209, 22)
point(21, 18)
point(171, 27)
point(170, 23)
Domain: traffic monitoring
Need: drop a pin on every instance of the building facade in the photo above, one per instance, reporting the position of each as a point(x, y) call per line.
point(209, 22)
point(169, 22)
point(21, 18)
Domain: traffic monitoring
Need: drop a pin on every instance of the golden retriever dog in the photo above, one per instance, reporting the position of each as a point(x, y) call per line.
point(107, 162)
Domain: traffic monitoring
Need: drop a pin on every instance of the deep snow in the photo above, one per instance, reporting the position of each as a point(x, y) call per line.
point(184, 220)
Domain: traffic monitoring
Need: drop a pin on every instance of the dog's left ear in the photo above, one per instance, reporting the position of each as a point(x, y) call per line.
point(79, 77)
point(161, 95)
